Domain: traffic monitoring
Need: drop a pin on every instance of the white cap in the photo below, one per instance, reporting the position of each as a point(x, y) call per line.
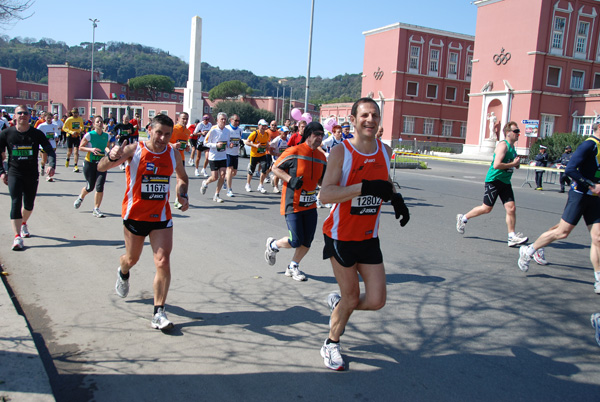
point(263, 122)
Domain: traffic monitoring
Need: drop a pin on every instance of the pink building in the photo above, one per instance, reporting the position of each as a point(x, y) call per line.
point(421, 79)
point(16, 92)
point(542, 66)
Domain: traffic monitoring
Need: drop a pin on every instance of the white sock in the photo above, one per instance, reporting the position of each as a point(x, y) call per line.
point(273, 245)
point(597, 275)
point(464, 219)
point(530, 250)
point(294, 264)
point(511, 235)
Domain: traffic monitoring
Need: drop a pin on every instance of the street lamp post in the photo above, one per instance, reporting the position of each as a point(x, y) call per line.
point(94, 25)
point(312, 14)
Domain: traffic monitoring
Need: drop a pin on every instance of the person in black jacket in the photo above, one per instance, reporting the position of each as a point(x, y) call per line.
point(541, 159)
point(562, 163)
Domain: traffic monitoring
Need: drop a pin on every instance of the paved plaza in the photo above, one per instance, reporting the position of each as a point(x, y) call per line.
point(462, 322)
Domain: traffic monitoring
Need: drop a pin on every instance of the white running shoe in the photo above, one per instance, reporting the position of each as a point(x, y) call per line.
point(190, 162)
point(270, 254)
point(49, 179)
point(595, 319)
point(319, 204)
point(177, 205)
point(538, 256)
point(517, 239)
point(229, 193)
point(332, 356)
point(460, 225)
point(203, 172)
point(295, 273)
point(77, 203)
point(196, 172)
point(261, 189)
point(122, 166)
point(25, 231)
point(203, 187)
point(267, 179)
point(524, 259)
point(122, 285)
point(597, 287)
point(218, 199)
point(276, 190)
point(160, 320)
point(97, 213)
point(17, 243)
point(248, 188)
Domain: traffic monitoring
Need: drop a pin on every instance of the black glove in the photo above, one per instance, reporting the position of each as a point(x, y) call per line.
point(379, 188)
point(400, 209)
point(295, 183)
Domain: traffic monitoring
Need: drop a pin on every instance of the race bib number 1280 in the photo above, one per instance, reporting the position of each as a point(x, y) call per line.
point(155, 187)
point(365, 205)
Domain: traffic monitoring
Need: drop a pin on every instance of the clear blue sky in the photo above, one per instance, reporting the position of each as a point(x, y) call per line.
point(267, 37)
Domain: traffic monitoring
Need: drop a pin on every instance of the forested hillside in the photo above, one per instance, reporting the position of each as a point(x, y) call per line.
point(121, 61)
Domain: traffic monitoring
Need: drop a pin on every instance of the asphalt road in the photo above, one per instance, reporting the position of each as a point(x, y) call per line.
point(462, 322)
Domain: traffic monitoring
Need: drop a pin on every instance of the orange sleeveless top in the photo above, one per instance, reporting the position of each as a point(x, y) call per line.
point(148, 185)
point(358, 219)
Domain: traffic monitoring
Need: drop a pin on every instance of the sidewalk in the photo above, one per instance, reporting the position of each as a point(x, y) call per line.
point(22, 374)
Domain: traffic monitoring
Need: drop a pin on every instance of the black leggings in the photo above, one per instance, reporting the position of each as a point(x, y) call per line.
point(93, 177)
point(22, 193)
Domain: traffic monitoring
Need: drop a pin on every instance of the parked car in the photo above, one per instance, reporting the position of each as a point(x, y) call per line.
point(247, 129)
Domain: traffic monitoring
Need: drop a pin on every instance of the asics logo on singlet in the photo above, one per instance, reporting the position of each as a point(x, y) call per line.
point(367, 211)
point(369, 160)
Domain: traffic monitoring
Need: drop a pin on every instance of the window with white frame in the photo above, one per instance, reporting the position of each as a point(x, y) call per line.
point(547, 128)
point(206, 109)
point(452, 64)
point(341, 120)
point(173, 96)
point(151, 113)
point(466, 95)
point(434, 61)
point(583, 125)
point(81, 111)
point(581, 38)
point(432, 91)
point(577, 77)
point(469, 69)
point(93, 111)
point(553, 79)
point(450, 93)
point(463, 129)
point(35, 95)
point(428, 125)
point(165, 112)
point(44, 96)
point(558, 33)
point(23, 94)
point(409, 124)
point(412, 88)
point(413, 64)
point(597, 81)
point(447, 128)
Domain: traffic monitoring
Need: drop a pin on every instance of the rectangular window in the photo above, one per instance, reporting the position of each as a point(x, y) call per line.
point(412, 88)
point(173, 96)
point(584, 125)
point(432, 91)
point(82, 112)
point(428, 126)
point(159, 94)
point(44, 96)
point(553, 79)
point(558, 32)
point(453, 63)
point(165, 112)
point(180, 98)
point(93, 111)
point(466, 95)
point(596, 81)
point(23, 94)
point(447, 128)
point(415, 52)
point(409, 124)
point(582, 34)
point(450, 93)
point(434, 60)
point(577, 79)
point(469, 67)
point(547, 126)
point(463, 129)
point(151, 113)
point(35, 95)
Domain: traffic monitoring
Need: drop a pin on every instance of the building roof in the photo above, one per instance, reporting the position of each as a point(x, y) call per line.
point(400, 25)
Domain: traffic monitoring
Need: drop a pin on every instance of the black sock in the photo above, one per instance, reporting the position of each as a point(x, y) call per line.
point(157, 307)
point(123, 276)
point(330, 341)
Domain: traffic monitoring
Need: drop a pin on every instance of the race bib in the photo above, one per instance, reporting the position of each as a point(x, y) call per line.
point(365, 205)
point(50, 135)
point(221, 146)
point(22, 152)
point(75, 125)
point(234, 142)
point(155, 187)
point(96, 158)
point(182, 144)
point(307, 198)
point(261, 149)
point(281, 149)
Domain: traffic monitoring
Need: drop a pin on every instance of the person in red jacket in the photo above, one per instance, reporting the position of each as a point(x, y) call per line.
point(301, 168)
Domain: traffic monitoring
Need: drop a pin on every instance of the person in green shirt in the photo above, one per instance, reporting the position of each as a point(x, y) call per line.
point(96, 144)
point(497, 184)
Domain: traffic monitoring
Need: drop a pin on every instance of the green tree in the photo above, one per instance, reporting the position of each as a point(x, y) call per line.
point(248, 114)
point(152, 83)
point(228, 89)
point(556, 144)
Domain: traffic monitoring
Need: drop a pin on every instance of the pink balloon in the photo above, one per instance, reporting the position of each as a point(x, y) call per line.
point(328, 127)
point(330, 122)
point(296, 114)
point(306, 117)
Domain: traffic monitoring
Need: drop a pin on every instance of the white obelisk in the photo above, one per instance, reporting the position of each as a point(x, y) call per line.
point(192, 97)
